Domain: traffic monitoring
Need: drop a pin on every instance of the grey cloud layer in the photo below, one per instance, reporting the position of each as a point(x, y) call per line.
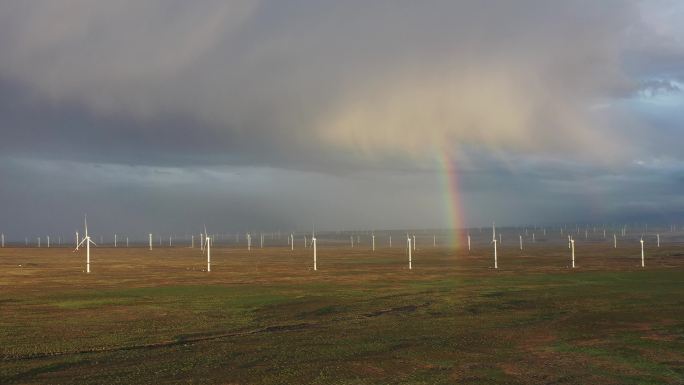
point(282, 113)
point(356, 78)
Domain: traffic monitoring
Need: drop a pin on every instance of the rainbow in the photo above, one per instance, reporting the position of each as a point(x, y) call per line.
point(452, 199)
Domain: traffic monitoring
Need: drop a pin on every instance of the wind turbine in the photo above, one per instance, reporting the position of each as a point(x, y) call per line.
point(87, 241)
point(373, 241)
point(313, 244)
point(520, 236)
point(114, 240)
point(572, 242)
point(657, 235)
point(3, 240)
point(614, 241)
point(150, 235)
point(642, 251)
point(468, 242)
point(414, 242)
point(291, 241)
point(496, 262)
point(77, 240)
point(207, 239)
point(408, 245)
point(390, 241)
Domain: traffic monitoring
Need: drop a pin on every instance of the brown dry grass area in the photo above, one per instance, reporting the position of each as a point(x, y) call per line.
point(33, 269)
point(261, 316)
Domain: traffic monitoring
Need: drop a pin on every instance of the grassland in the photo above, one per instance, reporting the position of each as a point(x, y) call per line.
point(266, 317)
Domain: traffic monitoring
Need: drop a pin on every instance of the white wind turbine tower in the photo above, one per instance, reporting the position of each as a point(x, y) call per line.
point(642, 251)
point(373, 241)
point(87, 241)
point(77, 240)
point(614, 241)
point(351, 238)
point(126, 241)
point(114, 240)
point(390, 241)
point(657, 235)
point(520, 236)
point(434, 240)
point(192, 241)
point(496, 262)
point(291, 242)
point(249, 242)
point(468, 242)
point(48, 241)
point(313, 244)
point(38, 241)
point(408, 246)
point(150, 236)
point(305, 241)
point(572, 243)
point(207, 240)
point(414, 242)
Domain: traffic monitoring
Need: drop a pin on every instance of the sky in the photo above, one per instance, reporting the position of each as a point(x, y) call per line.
point(165, 115)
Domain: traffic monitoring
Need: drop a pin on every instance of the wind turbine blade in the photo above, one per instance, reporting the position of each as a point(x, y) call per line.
point(79, 245)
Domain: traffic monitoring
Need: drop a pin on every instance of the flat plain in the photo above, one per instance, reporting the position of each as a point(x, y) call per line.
point(265, 317)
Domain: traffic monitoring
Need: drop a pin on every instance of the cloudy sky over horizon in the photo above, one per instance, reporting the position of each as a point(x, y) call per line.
point(162, 115)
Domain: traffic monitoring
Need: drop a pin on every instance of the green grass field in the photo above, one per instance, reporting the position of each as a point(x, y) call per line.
point(363, 318)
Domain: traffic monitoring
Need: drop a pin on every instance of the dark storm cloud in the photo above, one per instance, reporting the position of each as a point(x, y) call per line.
point(285, 80)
